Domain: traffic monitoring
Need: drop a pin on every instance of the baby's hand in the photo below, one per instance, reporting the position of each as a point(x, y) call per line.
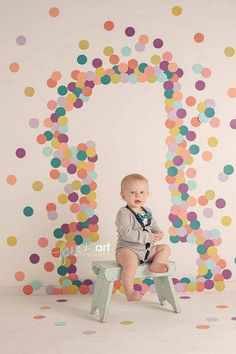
point(157, 236)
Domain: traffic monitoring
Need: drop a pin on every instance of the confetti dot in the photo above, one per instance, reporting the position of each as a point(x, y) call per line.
point(228, 169)
point(62, 300)
point(229, 51)
point(199, 37)
point(222, 306)
point(232, 92)
point(212, 141)
point(60, 323)
point(37, 186)
point(27, 290)
point(214, 122)
point(127, 322)
point(19, 276)
point(233, 318)
point(108, 25)
point(39, 317)
point(83, 44)
point(11, 240)
point(34, 258)
point(176, 10)
point(89, 332)
point(129, 31)
point(203, 326)
point(29, 91)
point(226, 220)
point(33, 123)
point(206, 155)
point(200, 85)
point(220, 203)
point(233, 123)
point(53, 11)
point(20, 153)
point(28, 211)
point(21, 40)
point(43, 242)
point(14, 67)
point(11, 179)
point(157, 43)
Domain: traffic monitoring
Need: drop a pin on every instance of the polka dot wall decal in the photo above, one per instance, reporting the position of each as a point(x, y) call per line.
point(14, 67)
point(28, 211)
point(176, 10)
point(60, 323)
point(19, 276)
point(126, 322)
point(33, 123)
point(53, 11)
point(20, 153)
point(84, 44)
point(222, 306)
point(229, 51)
point(34, 258)
point(231, 92)
point(109, 25)
point(226, 220)
point(43, 242)
point(39, 317)
point(11, 240)
point(202, 326)
point(198, 37)
point(158, 43)
point(29, 91)
point(27, 290)
point(37, 186)
point(21, 40)
point(200, 85)
point(11, 180)
point(129, 31)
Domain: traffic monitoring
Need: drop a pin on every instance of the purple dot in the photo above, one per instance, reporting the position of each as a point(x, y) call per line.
point(73, 197)
point(223, 177)
point(164, 65)
point(233, 123)
point(220, 203)
point(54, 117)
point(78, 103)
point(52, 215)
point(200, 85)
point(87, 282)
point(71, 169)
point(97, 62)
point(21, 40)
point(181, 113)
point(180, 72)
point(209, 284)
point(233, 318)
point(33, 123)
point(173, 217)
point(93, 220)
point(208, 212)
point(79, 226)
point(185, 297)
point(208, 243)
point(191, 135)
point(71, 86)
point(213, 319)
point(178, 160)
point(129, 31)
point(183, 188)
point(168, 85)
point(191, 216)
point(89, 84)
point(93, 159)
point(63, 138)
point(137, 287)
point(34, 258)
point(65, 228)
point(183, 239)
point(139, 47)
point(20, 152)
point(71, 269)
point(227, 274)
point(158, 43)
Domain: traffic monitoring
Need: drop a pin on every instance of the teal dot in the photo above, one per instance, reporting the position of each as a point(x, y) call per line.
point(201, 249)
point(228, 169)
point(192, 185)
point(174, 239)
point(142, 67)
point(63, 128)
point(85, 189)
point(115, 68)
point(179, 138)
point(58, 233)
point(208, 275)
point(210, 264)
point(106, 79)
point(172, 171)
point(60, 111)
point(55, 162)
point(215, 233)
point(195, 224)
point(49, 135)
point(191, 238)
point(168, 74)
point(85, 224)
point(126, 51)
point(177, 105)
point(36, 284)
point(62, 90)
point(67, 282)
point(47, 151)
point(203, 118)
point(168, 93)
point(185, 280)
point(197, 68)
point(78, 239)
point(84, 98)
point(77, 91)
point(28, 211)
point(148, 281)
point(93, 174)
point(63, 177)
point(184, 196)
point(183, 130)
point(161, 77)
point(209, 112)
point(133, 79)
point(82, 59)
point(194, 149)
point(60, 323)
point(81, 155)
point(77, 283)
point(178, 223)
point(176, 200)
point(62, 270)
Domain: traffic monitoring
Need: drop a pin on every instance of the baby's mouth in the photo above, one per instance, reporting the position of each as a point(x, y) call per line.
point(137, 201)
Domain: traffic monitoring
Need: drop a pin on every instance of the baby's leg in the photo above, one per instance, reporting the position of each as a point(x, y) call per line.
point(129, 262)
point(160, 258)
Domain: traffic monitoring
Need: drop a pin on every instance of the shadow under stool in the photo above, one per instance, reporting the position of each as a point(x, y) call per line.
point(109, 271)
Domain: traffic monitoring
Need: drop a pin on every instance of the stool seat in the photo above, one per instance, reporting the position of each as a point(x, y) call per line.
point(109, 271)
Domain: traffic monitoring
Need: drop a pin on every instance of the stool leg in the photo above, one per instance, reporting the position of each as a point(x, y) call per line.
point(167, 291)
point(96, 293)
point(159, 291)
point(105, 298)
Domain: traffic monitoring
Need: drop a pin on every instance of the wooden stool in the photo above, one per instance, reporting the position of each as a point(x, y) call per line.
point(109, 271)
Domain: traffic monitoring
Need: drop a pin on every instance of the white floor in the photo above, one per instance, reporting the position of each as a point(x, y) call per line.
point(68, 328)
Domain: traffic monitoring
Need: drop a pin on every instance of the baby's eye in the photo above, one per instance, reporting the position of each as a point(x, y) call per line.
point(132, 192)
point(142, 192)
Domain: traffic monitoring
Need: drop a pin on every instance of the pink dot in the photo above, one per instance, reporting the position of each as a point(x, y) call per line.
point(43, 242)
point(215, 122)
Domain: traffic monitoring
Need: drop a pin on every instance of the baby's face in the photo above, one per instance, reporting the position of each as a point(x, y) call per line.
point(135, 193)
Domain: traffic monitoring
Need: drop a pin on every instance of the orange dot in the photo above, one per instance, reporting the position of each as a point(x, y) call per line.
point(202, 200)
point(172, 67)
point(202, 326)
point(132, 64)
point(83, 200)
point(82, 173)
point(108, 25)
point(56, 252)
point(221, 263)
point(11, 179)
point(206, 72)
point(87, 91)
point(167, 56)
point(190, 101)
point(114, 59)
point(14, 67)
point(50, 207)
point(143, 39)
point(82, 147)
point(207, 155)
point(51, 83)
point(122, 67)
point(41, 139)
point(19, 276)
point(195, 122)
point(51, 105)
point(74, 74)
point(27, 289)
point(49, 266)
point(232, 92)
point(54, 174)
point(56, 75)
point(85, 232)
point(191, 201)
point(54, 12)
point(199, 37)
point(39, 317)
point(169, 123)
point(84, 289)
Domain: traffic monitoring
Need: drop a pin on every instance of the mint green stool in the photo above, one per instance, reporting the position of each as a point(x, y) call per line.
point(109, 271)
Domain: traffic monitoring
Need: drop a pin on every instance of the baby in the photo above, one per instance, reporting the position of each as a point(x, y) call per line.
point(137, 235)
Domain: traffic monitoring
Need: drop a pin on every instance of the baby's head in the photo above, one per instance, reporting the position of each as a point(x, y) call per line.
point(134, 190)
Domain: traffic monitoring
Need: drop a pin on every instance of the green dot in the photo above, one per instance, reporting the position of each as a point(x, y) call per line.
point(195, 224)
point(142, 67)
point(174, 239)
point(58, 233)
point(209, 112)
point(62, 90)
point(82, 59)
point(55, 162)
point(60, 111)
point(194, 149)
point(49, 135)
point(228, 169)
point(85, 189)
point(201, 249)
point(105, 79)
point(81, 155)
point(184, 196)
point(28, 211)
point(47, 151)
point(85, 224)
point(183, 130)
point(172, 171)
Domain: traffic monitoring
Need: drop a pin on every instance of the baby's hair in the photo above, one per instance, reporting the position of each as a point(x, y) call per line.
point(133, 177)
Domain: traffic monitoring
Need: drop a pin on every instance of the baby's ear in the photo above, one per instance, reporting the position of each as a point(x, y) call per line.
point(122, 195)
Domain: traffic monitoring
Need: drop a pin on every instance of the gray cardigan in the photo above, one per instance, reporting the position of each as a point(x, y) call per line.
point(131, 234)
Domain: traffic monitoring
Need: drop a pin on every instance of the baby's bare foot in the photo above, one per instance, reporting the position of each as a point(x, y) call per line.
point(134, 295)
point(159, 268)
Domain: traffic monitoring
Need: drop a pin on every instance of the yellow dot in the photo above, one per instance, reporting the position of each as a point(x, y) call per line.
point(91, 196)
point(115, 78)
point(108, 51)
point(100, 72)
point(210, 194)
point(175, 193)
point(174, 131)
point(71, 97)
point(75, 185)
point(226, 220)
point(202, 270)
point(176, 10)
point(126, 322)
point(11, 240)
point(94, 236)
point(90, 151)
point(62, 198)
point(67, 154)
point(73, 289)
point(62, 120)
point(212, 141)
point(168, 164)
point(37, 186)
point(219, 285)
point(29, 91)
point(70, 236)
point(82, 216)
point(191, 287)
point(229, 51)
point(155, 59)
point(55, 143)
point(212, 250)
point(152, 79)
point(60, 244)
point(83, 44)
point(201, 107)
point(188, 160)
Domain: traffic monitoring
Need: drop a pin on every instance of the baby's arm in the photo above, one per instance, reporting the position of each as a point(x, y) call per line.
point(124, 226)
